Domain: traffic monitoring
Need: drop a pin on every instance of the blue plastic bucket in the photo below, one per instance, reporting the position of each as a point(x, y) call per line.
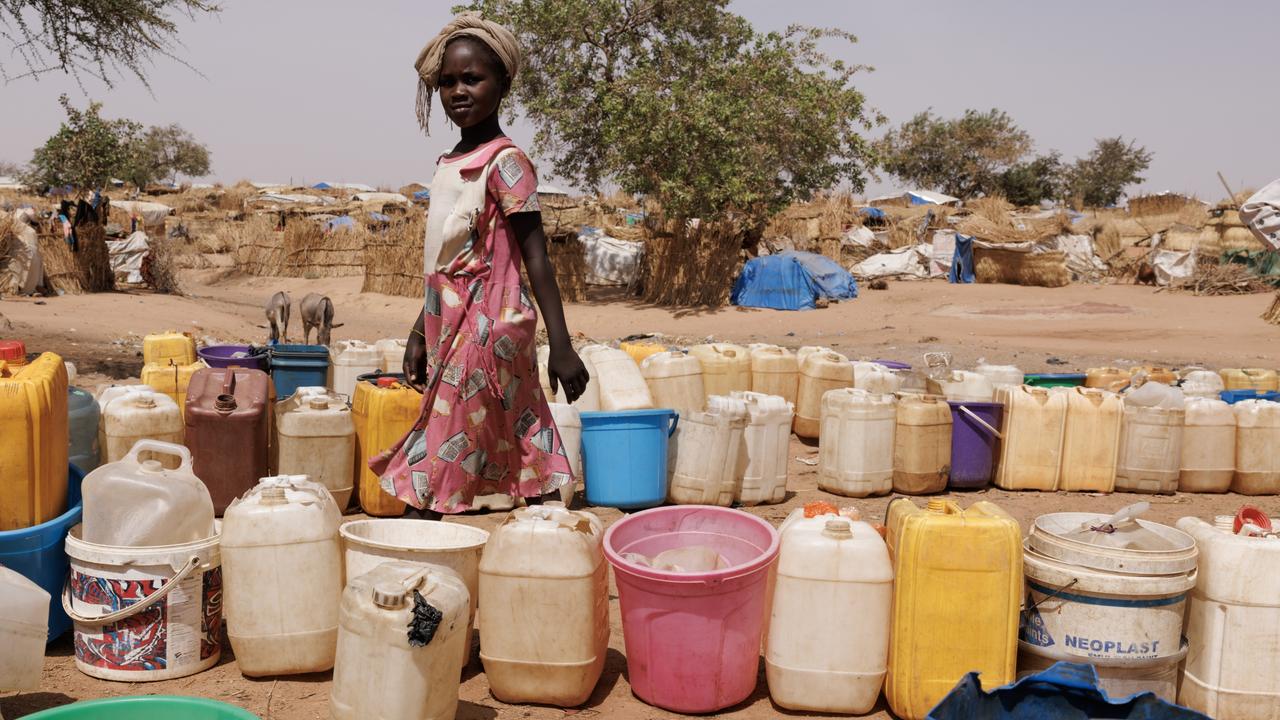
point(38, 554)
point(624, 457)
point(295, 366)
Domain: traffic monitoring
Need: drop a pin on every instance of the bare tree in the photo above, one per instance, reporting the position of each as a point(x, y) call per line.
point(100, 38)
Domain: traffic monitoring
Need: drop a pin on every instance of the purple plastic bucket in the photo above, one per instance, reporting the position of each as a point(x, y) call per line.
point(973, 447)
point(893, 364)
point(225, 356)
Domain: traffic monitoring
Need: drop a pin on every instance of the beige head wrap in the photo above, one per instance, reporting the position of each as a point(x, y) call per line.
point(469, 24)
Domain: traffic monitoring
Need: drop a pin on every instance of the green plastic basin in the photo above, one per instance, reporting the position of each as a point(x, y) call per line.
point(146, 707)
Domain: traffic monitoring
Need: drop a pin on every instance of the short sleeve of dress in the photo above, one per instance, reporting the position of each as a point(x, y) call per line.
point(514, 182)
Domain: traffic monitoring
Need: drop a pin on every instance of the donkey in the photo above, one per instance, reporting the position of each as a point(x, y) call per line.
point(317, 312)
point(278, 316)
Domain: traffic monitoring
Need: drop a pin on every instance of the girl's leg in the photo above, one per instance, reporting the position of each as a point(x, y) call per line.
point(414, 513)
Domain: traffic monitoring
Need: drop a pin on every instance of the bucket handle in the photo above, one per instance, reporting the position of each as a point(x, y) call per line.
point(1054, 594)
point(160, 447)
point(133, 609)
point(675, 420)
point(981, 422)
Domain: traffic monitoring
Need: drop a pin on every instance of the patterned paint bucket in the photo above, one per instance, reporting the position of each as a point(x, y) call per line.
point(144, 614)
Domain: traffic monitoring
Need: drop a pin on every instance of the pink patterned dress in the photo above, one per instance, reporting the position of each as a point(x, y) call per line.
point(484, 427)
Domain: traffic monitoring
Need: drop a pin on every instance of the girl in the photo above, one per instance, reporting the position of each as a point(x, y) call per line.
point(484, 426)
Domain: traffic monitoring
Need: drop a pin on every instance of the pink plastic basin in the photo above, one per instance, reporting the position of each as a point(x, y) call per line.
point(693, 639)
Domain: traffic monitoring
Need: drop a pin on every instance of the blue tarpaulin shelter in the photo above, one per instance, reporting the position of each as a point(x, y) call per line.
point(422, 195)
point(1066, 691)
point(322, 186)
point(792, 281)
point(873, 213)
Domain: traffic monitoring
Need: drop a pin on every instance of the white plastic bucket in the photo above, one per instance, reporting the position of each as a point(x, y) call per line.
point(145, 614)
point(1111, 603)
point(366, 544)
point(1119, 678)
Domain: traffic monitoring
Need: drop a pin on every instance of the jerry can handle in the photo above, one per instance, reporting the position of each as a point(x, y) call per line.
point(135, 608)
point(229, 382)
point(161, 448)
point(675, 420)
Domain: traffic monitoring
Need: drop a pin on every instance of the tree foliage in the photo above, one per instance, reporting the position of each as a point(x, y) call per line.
point(684, 101)
point(89, 150)
point(10, 169)
point(1099, 179)
point(964, 156)
point(172, 151)
point(86, 151)
point(99, 38)
point(1029, 182)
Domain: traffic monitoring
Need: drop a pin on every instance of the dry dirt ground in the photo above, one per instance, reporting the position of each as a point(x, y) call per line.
point(1079, 326)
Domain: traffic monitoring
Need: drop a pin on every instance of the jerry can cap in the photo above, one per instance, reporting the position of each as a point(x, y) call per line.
point(386, 382)
point(390, 595)
point(13, 350)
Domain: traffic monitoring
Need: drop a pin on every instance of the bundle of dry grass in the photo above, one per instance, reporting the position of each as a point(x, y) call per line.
point(310, 252)
point(1272, 315)
point(913, 225)
point(259, 247)
point(568, 219)
point(687, 266)
point(1004, 229)
point(1048, 269)
point(86, 270)
point(1205, 241)
point(993, 207)
point(233, 198)
point(393, 259)
point(1170, 203)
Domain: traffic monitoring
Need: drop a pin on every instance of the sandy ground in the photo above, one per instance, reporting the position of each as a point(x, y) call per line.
point(1075, 327)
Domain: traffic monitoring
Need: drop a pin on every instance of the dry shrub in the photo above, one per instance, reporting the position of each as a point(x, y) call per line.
point(216, 243)
point(691, 267)
point(194, 201)
point(160, 267)
point(1047, 269)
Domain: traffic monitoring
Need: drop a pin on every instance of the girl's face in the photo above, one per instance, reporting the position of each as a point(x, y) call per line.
point(470, 87)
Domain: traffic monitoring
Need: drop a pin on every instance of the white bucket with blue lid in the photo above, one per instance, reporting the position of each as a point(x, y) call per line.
point(1100, 587)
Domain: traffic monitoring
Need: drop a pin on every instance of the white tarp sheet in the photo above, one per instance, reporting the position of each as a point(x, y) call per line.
point(944, 252)
point(610, 261)
point(1173, 267)
point(290, 199)
point(910, 261)
point(381, 197)
point(860, 236)
point(21, 268)
point(127, 255)
point(150, 213)
point(1261, 214)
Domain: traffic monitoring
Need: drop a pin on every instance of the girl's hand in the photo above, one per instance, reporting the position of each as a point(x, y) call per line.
point(565, 368)
point(415, 362)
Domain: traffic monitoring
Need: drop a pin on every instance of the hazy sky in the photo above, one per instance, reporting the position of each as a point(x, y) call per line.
point(324, 90)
